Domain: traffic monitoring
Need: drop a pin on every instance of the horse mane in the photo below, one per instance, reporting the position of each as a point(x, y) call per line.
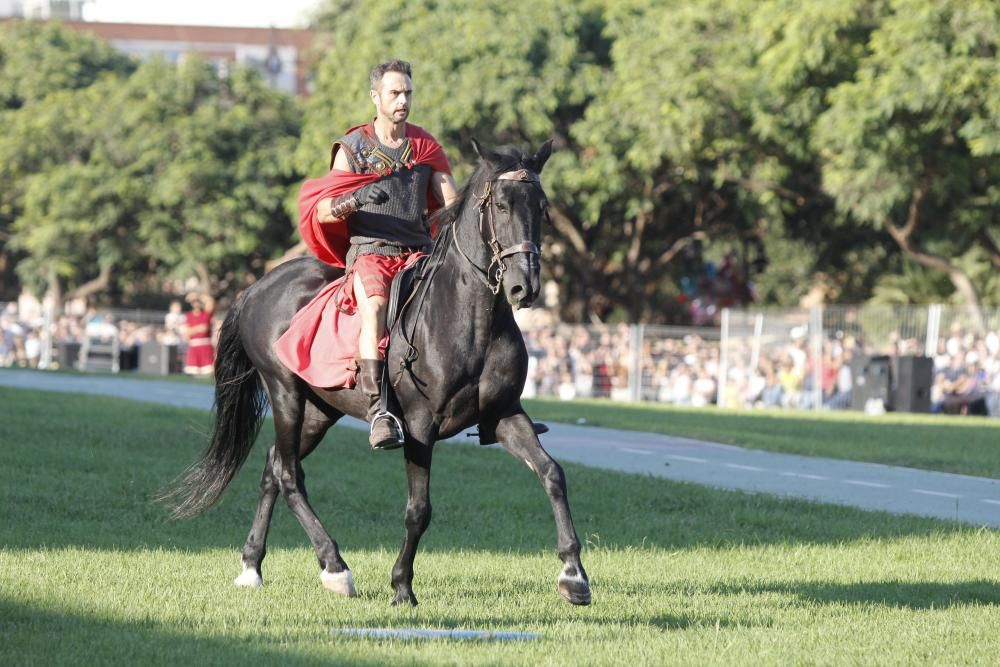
point(502, 159)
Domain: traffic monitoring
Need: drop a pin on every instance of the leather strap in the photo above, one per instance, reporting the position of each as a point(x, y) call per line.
point(344, 205)
point(522, 175)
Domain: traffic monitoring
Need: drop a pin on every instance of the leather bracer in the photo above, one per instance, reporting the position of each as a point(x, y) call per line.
point(344, 205)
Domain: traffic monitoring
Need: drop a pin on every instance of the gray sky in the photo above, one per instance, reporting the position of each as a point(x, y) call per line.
point(279, 13)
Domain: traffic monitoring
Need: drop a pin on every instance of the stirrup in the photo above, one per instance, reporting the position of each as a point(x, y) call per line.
point(398, 426)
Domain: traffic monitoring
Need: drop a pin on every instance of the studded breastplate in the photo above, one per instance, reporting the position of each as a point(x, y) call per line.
point(400, 220)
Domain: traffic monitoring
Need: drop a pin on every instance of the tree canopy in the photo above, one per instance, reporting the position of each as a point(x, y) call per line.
point(707, 153)
point(694, 136)
point(123, 174)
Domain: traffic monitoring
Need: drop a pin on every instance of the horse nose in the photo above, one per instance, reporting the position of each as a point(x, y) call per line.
point(519, 296)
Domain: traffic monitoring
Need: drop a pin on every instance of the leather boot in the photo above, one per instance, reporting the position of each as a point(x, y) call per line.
point(385, 433)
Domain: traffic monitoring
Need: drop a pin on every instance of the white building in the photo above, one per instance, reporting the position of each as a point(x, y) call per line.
point(278, 54)
point(66, 10)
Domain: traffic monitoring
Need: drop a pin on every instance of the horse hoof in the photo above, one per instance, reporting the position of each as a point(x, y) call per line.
point(574, 588)
point(341, 583)
point(403, 599)
point(249, 578)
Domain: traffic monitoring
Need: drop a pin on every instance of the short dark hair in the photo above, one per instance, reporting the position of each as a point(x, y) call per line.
point(379, 71)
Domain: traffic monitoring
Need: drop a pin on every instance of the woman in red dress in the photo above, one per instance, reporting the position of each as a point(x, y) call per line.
point(200, 359)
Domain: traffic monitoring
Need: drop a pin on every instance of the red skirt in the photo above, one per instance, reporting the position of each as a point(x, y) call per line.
point(200, 359)
point(321, 344)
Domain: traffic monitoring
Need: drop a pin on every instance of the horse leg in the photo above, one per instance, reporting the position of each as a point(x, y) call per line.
point(289, 409)
point(418, 517)
point(315, 426)
point(255, 548)
point(517, 435)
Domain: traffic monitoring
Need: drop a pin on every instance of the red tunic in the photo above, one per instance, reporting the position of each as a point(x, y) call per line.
point(200, 353)
point(321, 344)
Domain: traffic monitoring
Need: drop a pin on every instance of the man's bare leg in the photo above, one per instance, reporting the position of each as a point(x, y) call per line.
point(384, 432)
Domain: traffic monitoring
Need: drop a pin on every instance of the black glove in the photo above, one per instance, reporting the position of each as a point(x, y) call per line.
point(373, 193)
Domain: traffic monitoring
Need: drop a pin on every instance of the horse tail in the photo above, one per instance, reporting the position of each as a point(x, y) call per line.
point(240, 403)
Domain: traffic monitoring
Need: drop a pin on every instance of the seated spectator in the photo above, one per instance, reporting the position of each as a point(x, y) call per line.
point(959, 390)
point(840, 399)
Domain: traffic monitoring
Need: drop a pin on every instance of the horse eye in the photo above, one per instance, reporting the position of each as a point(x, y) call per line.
point(501, 207)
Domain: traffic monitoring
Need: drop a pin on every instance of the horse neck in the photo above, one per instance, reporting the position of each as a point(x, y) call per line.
point(460, 283)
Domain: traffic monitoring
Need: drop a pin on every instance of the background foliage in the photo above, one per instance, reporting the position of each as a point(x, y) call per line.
point(842, 147)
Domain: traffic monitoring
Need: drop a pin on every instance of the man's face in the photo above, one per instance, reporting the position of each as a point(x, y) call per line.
point(393, 97)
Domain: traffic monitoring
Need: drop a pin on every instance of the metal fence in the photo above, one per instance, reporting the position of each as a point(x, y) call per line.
point(624, 362)
point(808, 359)
point(781, 358)
point(40, 338)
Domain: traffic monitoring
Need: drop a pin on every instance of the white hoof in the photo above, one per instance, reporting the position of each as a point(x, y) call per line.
point(249, 578)
point(341, 583)
point(574, 587)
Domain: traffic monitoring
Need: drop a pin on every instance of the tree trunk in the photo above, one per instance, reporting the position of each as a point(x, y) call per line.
point(204, 280)
point(987, 242)
point(905, 237)
point(55, 291)
point(575, 295)
point(98, 284)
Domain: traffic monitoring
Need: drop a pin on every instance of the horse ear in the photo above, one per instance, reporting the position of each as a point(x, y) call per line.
point(542, 155)
point(476, 147)
point(484, 152)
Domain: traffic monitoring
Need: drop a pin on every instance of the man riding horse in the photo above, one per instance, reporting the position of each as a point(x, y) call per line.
point(449, 373)
point(369, 215)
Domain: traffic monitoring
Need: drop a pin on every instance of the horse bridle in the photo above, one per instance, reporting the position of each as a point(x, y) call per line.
point(486, 208)
point(486, 215)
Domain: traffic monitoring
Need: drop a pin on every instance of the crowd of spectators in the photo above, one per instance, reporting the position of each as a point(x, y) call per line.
point(967, 373)
point(597, 362)
point(22, 335)
point(576, 361)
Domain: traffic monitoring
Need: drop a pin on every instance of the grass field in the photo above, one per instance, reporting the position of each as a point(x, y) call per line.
point(92, 573)
point(964, 445)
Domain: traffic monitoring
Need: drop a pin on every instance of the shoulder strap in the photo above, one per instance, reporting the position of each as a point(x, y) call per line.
point(351, 143)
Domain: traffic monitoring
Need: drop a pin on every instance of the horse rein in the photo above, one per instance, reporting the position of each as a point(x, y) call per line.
point(499, 254)
point(486, 215)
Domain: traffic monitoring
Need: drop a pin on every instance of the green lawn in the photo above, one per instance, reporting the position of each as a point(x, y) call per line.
point(180, 378)
point(92, 573)
point(965, 445)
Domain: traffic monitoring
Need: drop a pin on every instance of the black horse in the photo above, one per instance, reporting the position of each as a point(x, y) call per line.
point(457, 359)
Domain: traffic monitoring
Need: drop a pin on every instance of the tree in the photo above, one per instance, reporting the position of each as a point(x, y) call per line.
point(171, 172)
point(910, 145)
point(215, 156)
point(38, 60)
point(505, 77)
point(671, 149)
point(72, 227)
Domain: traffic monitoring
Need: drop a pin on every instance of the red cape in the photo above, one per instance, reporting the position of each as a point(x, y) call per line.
point(321, 344)
point(330, 242)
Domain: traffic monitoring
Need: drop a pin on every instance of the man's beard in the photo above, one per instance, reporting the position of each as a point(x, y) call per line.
point(398, 118)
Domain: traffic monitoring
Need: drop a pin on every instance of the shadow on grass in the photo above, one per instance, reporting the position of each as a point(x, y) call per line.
point(36, 636)
point(81, 470)
point(891, 594)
